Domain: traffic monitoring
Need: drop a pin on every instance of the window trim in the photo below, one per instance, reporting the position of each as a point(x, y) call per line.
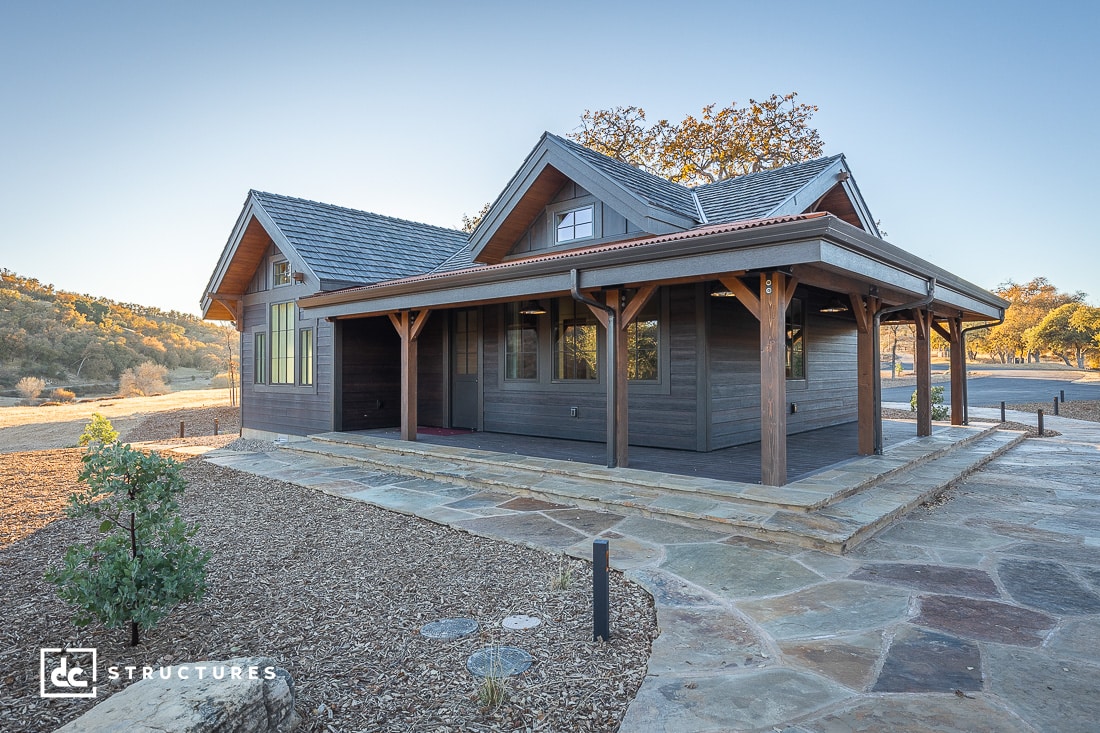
point(553, 211)
point(307, 362)
point(275, 274)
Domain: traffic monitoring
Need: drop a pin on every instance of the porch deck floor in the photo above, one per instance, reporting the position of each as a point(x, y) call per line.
point(807, 453)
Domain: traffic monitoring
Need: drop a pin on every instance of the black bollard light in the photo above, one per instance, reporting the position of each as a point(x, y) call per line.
point(1002, 411)
point(1062, 394)
point(601, 592)
point(1055, 405)
point(1040, 422)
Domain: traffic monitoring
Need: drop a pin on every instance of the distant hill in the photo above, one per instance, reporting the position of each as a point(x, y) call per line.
point(69, 338)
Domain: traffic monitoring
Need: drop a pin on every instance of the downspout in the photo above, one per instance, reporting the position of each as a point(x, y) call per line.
point(877, 394)
point(966, 382)
point(611, 359)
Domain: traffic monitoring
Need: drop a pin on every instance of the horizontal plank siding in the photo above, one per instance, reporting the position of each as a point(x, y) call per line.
point(826, 397)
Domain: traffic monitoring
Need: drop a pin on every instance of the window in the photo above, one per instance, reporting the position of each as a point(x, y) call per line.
point(521, 344)
point(575, 348)
point(305, 356)
point(796, 341)
point(280, 274)
point(465, 348)
point(643, 343)
point(259, 360)
point(282, 343)
point(574, 224)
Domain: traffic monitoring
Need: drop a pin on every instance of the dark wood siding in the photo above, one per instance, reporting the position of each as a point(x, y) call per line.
point(370, 374)
point(662, 415)
point(431, 372)
point(826, 397)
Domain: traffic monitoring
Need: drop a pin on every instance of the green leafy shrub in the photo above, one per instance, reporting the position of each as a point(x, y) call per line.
point(144, 564)
point(99, 430)
point(940, 411)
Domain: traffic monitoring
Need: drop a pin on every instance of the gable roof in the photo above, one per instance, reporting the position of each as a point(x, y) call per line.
point(758, 194)
point(346, 246)
point(646, 186)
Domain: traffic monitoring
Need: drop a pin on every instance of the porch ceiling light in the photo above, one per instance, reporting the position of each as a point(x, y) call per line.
point(721, 291)
point(835, 305)
point(531, 308)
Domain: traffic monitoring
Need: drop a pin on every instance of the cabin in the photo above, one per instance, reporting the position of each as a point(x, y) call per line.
point(593, 302)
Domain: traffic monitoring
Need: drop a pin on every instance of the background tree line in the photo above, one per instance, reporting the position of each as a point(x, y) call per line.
point(61, 336)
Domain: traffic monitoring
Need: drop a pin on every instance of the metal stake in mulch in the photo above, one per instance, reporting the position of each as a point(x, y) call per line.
point(601, 591)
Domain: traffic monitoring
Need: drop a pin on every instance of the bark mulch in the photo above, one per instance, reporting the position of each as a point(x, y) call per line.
point(336, 591)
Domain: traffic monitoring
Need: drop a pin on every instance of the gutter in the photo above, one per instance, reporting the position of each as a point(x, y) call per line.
point(877, 393)
point(611, 358)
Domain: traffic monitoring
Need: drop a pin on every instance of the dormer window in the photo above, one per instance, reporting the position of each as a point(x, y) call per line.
point(574, 224)
point(280, 274)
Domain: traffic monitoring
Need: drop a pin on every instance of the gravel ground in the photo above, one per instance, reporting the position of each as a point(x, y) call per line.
point(336, 591)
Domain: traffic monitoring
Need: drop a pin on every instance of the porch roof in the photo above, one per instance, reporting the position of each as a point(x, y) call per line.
point(820, 249)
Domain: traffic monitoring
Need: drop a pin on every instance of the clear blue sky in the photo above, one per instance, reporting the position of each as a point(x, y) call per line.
point(132, 131)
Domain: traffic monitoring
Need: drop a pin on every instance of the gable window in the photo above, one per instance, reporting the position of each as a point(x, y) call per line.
point(796, 340)
point(282, 343)
point(643, 344)
point(574, 224)
point(575, 344)
point(280, 273)
point(259, 359)
point(521, 343)
point(305, 356)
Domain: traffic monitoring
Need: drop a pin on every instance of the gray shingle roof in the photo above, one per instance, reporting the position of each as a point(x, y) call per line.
point(350, 246)
point(757, 195)
point(653, 189)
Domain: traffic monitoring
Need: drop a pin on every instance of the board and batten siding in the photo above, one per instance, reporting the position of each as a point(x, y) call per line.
point(662, 415)
point(285, 409)
point(826, 397)
point(611, 224)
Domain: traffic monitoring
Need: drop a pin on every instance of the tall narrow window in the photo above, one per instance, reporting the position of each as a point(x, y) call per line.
point(259, 360)
point(305, 356)
point(643, 343)
point(282, 343)
point(521, 344)
point(796, 341)
point(575, 349)
point(574, 224)
point(465, 347)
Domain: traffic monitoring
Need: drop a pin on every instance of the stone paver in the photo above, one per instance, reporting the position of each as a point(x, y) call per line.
point(994, 594)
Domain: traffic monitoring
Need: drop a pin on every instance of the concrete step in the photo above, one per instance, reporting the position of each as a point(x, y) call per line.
point(833, 510)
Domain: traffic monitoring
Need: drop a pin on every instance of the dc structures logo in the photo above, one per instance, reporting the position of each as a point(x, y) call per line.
point(60, 673)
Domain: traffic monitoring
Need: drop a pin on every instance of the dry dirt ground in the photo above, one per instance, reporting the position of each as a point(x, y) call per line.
point(41, 428)
point(336, 591)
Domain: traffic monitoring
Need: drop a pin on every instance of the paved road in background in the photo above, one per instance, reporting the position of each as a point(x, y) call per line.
point(1014, 387)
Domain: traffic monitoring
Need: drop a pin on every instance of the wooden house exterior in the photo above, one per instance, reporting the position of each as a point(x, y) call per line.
point(593, 302)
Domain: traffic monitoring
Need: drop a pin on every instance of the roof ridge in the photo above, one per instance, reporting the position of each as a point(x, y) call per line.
point(348, 209)
point(616, 161)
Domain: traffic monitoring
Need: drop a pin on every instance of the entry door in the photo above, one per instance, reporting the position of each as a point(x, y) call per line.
point(464, 370)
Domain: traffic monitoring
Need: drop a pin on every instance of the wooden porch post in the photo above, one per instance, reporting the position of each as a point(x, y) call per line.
point(958, 373)
point(867, 365)
point(770, 308)
point(923, 365)
point(773, 379)
point(408, 328)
